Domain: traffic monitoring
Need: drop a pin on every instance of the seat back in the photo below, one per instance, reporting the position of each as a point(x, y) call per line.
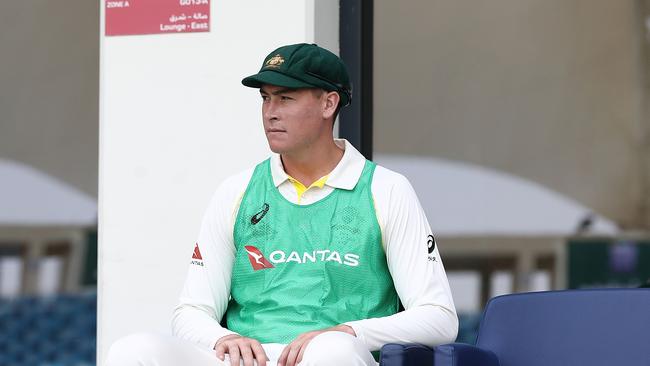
point(569, 328)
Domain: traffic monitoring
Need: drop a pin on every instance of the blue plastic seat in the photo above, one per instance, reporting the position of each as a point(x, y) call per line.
point(599, 327)
point(58, 330)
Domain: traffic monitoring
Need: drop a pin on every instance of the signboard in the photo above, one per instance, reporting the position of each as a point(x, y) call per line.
point(131, 17)
point(608, 263)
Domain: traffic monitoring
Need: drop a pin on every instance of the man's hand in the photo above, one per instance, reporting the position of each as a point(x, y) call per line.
point(238, 347)
point(292, 353)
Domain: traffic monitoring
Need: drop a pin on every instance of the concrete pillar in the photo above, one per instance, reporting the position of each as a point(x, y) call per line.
point(524, 268)
point(75, 265)
point(35, 250)
point(174, 122)
point(561, 275)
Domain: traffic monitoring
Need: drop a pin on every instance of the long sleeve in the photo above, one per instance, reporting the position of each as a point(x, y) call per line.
point(413, 261)
point(204, 298)
point(417, 270)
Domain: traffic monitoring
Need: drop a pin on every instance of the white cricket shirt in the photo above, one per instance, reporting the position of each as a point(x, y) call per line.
point(413, 258)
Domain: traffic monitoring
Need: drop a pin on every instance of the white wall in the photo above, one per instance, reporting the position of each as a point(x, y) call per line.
point(548, 90)
point(175, 121)
point(49, 60)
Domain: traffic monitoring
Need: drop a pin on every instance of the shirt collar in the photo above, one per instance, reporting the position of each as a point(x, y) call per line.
point(345, 175)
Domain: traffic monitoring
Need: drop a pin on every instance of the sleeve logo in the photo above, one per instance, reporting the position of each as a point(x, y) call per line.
point(431, 246)
point(197, 259)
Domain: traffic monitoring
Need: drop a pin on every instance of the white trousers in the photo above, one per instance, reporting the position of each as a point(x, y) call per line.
point(150, 349)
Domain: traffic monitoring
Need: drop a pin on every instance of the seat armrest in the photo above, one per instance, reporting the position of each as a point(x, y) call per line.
point(405, 355)
point(460, 354)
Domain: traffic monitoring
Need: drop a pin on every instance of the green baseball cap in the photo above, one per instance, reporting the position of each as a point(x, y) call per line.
point(304, 65)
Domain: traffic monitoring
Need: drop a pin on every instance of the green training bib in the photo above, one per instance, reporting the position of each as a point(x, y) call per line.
point(302, 268)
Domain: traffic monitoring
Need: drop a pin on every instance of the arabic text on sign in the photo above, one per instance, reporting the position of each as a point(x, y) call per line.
point(193, 2)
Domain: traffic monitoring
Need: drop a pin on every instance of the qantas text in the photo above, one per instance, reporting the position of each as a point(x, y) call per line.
point(326, 255)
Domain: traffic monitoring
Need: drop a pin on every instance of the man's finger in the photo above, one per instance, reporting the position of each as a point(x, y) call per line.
point(293, 353)
point(220, 351)
point(233, 351)
point(302, 351)
point(260, 355)
point(283, 356)
point(246, 354)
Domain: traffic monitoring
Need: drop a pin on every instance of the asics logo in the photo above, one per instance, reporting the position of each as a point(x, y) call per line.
point(260, 215)
point(431, 247)
point(431, 243)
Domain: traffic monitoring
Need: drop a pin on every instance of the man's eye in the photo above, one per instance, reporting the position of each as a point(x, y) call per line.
point(265, 98)
point(284, 97)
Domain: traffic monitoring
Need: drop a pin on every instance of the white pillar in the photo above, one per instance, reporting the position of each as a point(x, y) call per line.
point(35, 250)
point(76, 259)
point(174, 121)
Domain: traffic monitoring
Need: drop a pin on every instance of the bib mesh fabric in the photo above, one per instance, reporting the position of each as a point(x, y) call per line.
point(306, 267)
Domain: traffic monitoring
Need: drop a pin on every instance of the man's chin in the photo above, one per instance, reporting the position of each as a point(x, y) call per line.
point(277, 144)
point(277, 148)
point(282, 147)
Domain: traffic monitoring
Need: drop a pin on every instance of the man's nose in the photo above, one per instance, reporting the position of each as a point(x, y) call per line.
point(270, 110)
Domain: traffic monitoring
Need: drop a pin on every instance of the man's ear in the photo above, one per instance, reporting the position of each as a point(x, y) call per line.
point(332, 100)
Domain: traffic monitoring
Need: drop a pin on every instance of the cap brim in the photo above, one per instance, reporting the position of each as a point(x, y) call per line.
point(271, 77)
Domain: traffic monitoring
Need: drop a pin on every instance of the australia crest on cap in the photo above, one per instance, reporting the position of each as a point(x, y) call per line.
point(274, 62)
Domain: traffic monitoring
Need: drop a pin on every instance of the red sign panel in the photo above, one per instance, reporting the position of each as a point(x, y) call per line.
point(129, 17)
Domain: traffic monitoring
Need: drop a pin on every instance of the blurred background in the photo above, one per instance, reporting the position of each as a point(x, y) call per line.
point(523, 125)
point(49, 86)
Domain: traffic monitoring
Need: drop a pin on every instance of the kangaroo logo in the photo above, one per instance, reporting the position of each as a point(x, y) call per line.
point(197, 259)
point(257, 258)
point(197, 253)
